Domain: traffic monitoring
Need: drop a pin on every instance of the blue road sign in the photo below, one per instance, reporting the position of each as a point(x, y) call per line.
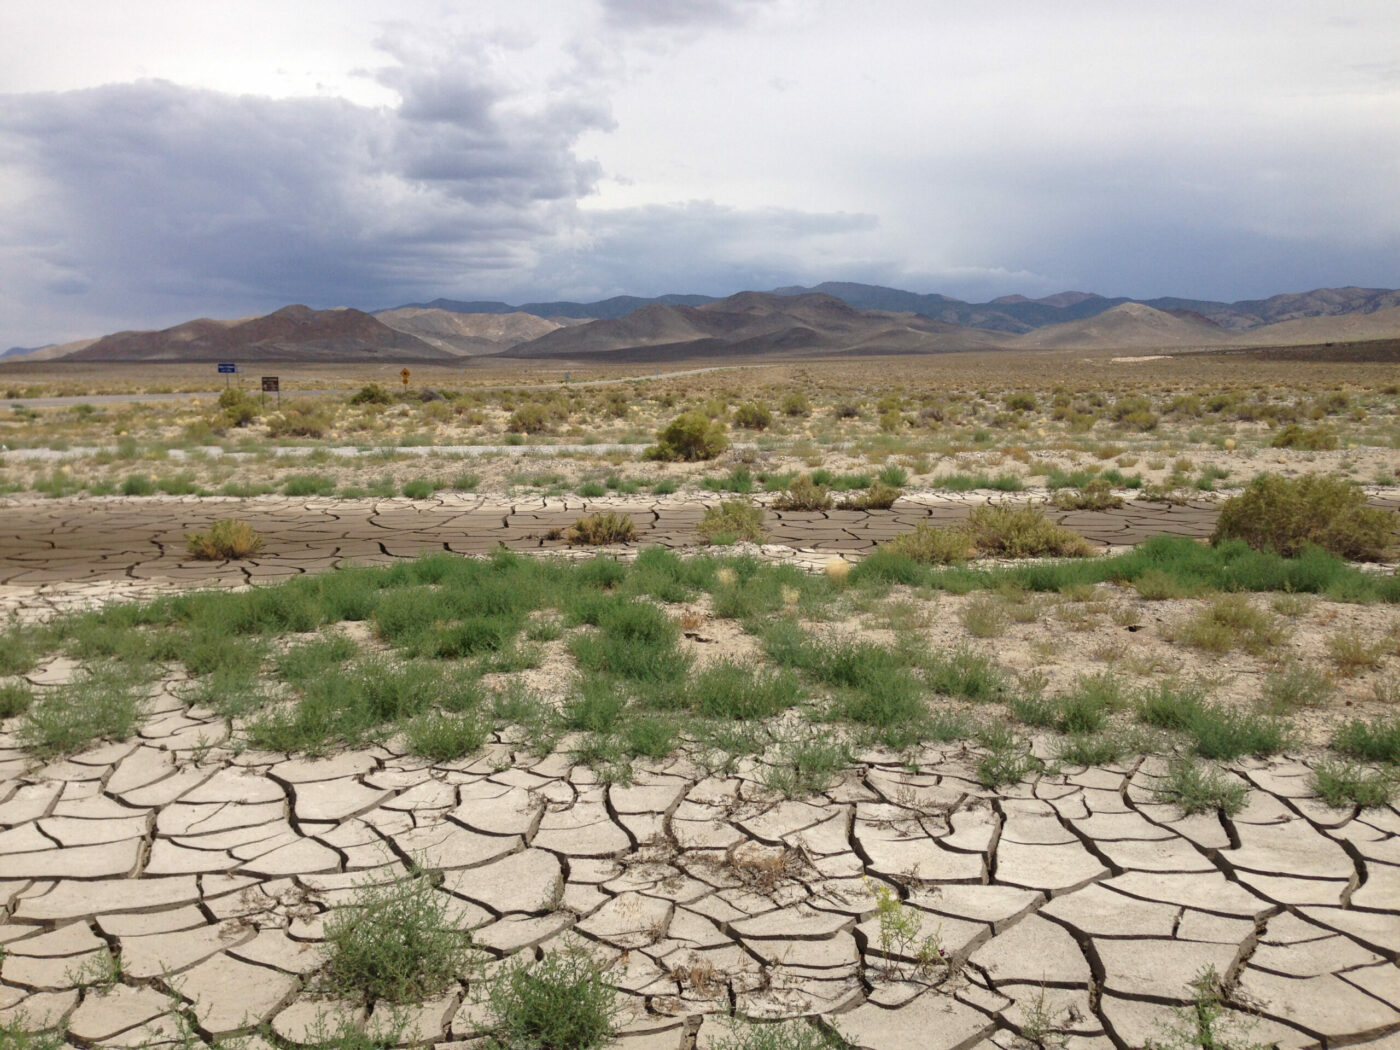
point(227, 367)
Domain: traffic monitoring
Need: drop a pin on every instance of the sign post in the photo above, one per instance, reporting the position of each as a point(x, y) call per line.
point(271, 386)
point(404, 375)
point(226, 369)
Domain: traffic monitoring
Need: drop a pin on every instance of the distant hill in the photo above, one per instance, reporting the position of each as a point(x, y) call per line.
point(754, 325)
point(834, 317)
point(467, 334)
point(291, 333)
point(617, 306)
point(1128, 326)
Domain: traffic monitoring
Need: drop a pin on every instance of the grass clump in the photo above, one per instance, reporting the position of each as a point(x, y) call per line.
point(1297, 685)
point(445, 737)
point(15, 699)
point(806, 764)
point(691, 436)
point(1346, 784)
point(226, 540)
point(561, 1002)
point(1215, 730)
point(1375, 741)
point(1285, 515)
point(965, 675)
point(777, 1035)
point(1231, 622)
point(395, 942)
point(309, 485)
point(100, 705)
point(732, 521)
point(602, 529)
point(1205, 1023)
point(1195, 788)
point(1305, 439)
point(730, 690)
point(1008, 758)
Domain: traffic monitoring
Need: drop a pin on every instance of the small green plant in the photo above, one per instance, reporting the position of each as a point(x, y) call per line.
point(984, 616)
point(1351, 652)
point(99, 705)
point(226, 540)
point(806, 763)
point(1199, 789)
point(394, 941)
point(1346, 784)
point(1297, 685)
point(732, 521)
point(690, 436)
point(1008, 758)
point(743, 1034)
point(602, 529)
point(900, 926)
point(18, 1033)
point(1231, 622)
point(15, 698)
point(796, 404)
point(1285, 515)
point(309, 485)
point(1375, 741)
point(561, 1002)
point(1204, 1024)
point(420, 488)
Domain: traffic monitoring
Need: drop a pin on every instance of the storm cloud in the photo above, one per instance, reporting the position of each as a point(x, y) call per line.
point(574, 151)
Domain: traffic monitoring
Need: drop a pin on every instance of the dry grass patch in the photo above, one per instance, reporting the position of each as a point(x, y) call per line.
point(226, 540)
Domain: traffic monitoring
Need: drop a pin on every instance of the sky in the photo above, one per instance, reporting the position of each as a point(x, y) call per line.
point(168, 159)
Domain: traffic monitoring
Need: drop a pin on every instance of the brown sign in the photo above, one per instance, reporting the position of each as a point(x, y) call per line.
point(405, 375)
point(270, 385)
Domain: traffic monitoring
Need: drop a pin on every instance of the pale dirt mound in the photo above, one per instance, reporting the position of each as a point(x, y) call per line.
point(468, 334)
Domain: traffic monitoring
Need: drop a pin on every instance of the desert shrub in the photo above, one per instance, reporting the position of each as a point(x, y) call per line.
point(928, 545)
point(373, 394)
point(796, 404)
point(1376, 741)
point(753, 416)
point(1096, 494)
point(845, 410)
point(604, 528)
point(731, 521)
point(1020, 401)
point(226, 539)
point(15, 698)
point(1285, 515)
point(1134, 411)
point(528, 419)
point(395, 942)
point(1200, 789)
point(1022, 532)
point(690, 436)
point(803, 494)
point(1306, 439)
point(236, 409)
point(300, 420)
point(878, 496)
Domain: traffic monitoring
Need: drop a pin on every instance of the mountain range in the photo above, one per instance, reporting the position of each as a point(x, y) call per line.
point(834, 317)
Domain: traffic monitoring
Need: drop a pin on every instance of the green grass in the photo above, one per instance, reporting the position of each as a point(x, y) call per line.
point(394, 942)
point(1008, 758)
point(805, 763)
point(101, 704)
point(741, 1034)
point(308, 485)
point(561, 1002)
point(15, 698)
point(1375, 741)
point(1346, 784)
point(1229, 566)
point(1199, 789)
point(970, 482)
point(1215, 730)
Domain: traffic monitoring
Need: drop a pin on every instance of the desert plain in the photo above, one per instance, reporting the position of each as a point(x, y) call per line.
point(705, 740)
